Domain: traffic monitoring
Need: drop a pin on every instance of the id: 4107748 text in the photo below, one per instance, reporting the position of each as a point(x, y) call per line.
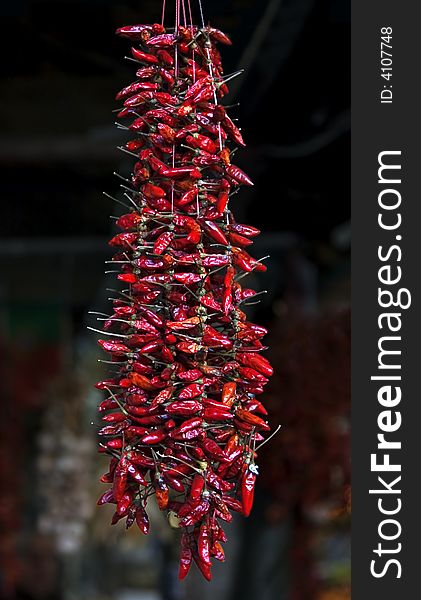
point(386, 65)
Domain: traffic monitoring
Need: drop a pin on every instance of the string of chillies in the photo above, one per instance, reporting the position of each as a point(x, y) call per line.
point(181, 414)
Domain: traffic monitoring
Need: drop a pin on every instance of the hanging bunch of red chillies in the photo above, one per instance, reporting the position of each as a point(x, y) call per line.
point(181, 414)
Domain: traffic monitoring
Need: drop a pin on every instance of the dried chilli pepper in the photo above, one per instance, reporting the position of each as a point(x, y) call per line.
point(181, 417)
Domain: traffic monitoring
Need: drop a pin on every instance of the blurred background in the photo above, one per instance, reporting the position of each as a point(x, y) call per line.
point(61, 67)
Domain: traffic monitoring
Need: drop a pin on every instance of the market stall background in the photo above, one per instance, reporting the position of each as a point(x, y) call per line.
point(61, 68)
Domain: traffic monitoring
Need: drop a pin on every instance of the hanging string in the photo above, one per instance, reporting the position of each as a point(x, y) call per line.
point(184, 13)
point(202, 18)
point(201, 13)
point(177, 14)
point(163, 12)
point(190, 15)
point(180, 5)
point(191, 29)
point(194, 81)
point(211, 73)
point(177, 24)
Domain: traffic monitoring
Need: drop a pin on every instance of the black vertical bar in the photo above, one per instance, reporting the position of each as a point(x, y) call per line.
point(386, 127)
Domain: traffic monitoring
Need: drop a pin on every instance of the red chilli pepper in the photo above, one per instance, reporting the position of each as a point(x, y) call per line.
point(144, 57)
point(142, 520)
point(185, 557)
point(180, 412)
point(248, 482)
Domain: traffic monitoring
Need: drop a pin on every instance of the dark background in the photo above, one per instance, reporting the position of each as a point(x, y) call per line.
point(61, 67)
